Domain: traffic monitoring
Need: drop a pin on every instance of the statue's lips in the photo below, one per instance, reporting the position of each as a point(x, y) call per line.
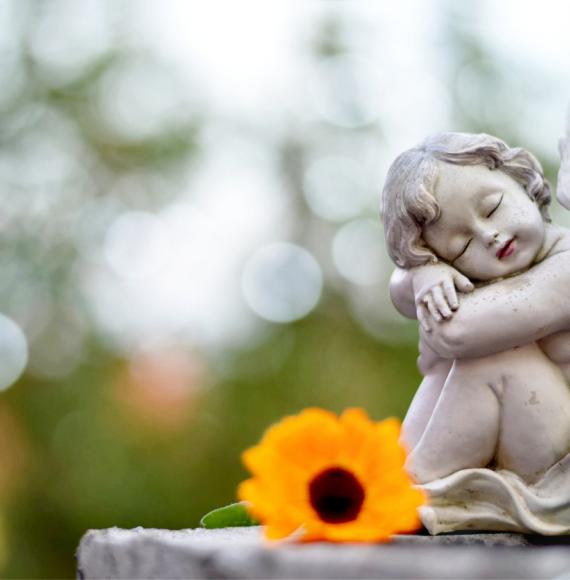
point(507, 249)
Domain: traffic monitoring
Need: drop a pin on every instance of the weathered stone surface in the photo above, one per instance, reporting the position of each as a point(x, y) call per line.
point(242, 553)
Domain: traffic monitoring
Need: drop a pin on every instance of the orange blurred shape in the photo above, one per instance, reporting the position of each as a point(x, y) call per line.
point(161, 390)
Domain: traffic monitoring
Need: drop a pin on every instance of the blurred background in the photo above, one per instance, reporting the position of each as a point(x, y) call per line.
point(190, 241)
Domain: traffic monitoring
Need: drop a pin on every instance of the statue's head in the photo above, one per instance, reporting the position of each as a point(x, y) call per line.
point(458, 191)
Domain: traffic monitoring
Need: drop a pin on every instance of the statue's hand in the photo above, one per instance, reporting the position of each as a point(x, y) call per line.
point(441, 341)
point(435, 292)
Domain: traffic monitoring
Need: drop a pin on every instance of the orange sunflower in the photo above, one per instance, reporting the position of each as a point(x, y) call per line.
point(331, 478)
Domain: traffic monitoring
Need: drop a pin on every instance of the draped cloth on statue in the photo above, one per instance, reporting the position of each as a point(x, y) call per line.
point(483, 499)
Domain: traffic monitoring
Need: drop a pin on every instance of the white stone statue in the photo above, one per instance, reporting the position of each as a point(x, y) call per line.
point(487, 274)
point(563, 188)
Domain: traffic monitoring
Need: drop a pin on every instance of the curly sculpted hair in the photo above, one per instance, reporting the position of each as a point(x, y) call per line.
point(408, 203)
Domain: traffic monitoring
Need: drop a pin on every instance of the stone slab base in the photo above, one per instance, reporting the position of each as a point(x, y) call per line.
point(243, 553)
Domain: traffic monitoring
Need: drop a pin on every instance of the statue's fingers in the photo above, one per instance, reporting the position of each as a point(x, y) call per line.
point(462, 283)
point(423, 318)
point(450, 294)
point(432, 308)
point(441, 302)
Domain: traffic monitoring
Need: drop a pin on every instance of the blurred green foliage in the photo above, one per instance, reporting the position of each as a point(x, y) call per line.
point(79, 451)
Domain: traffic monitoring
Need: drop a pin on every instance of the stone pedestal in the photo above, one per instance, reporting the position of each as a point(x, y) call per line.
point(242, 553)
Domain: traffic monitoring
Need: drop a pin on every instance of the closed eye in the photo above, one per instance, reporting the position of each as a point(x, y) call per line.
point(496, 207)
point(463, 250)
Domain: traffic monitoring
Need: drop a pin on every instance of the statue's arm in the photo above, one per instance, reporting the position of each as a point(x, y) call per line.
point(402, 293)
point(509, 313)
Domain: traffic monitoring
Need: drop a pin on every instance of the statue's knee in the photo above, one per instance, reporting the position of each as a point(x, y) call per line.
point(419, 474)
point(496, 362)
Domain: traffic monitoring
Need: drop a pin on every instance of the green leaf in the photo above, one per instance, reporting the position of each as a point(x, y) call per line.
point(230, 516)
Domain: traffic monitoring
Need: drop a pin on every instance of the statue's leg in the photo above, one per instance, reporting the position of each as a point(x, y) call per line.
point(535, 418)
point(423, 403)
point(463, 429)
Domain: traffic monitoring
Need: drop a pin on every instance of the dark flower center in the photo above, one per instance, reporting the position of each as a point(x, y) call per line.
point(336, 495)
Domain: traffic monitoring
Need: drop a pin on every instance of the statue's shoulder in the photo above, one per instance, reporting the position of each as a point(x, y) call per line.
point(558, 241)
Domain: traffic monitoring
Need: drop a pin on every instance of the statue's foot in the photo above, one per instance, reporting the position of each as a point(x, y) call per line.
point(429, 519)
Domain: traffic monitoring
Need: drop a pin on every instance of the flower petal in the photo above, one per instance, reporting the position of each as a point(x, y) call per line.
point(301, 448)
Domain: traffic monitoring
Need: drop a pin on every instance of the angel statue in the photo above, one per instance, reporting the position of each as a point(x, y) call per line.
point(486, 273)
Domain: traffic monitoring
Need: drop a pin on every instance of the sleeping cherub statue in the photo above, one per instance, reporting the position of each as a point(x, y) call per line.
point(486, 273)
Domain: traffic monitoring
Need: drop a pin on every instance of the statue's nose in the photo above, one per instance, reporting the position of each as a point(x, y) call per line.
point(490, 237)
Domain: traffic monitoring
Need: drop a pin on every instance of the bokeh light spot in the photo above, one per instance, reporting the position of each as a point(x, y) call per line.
point(142, 99)
point(136, 245)
point(68, 36)
point(335, 188)
point(349, 92)
point(358, 252)
point(282, 282)
point(13, 352)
